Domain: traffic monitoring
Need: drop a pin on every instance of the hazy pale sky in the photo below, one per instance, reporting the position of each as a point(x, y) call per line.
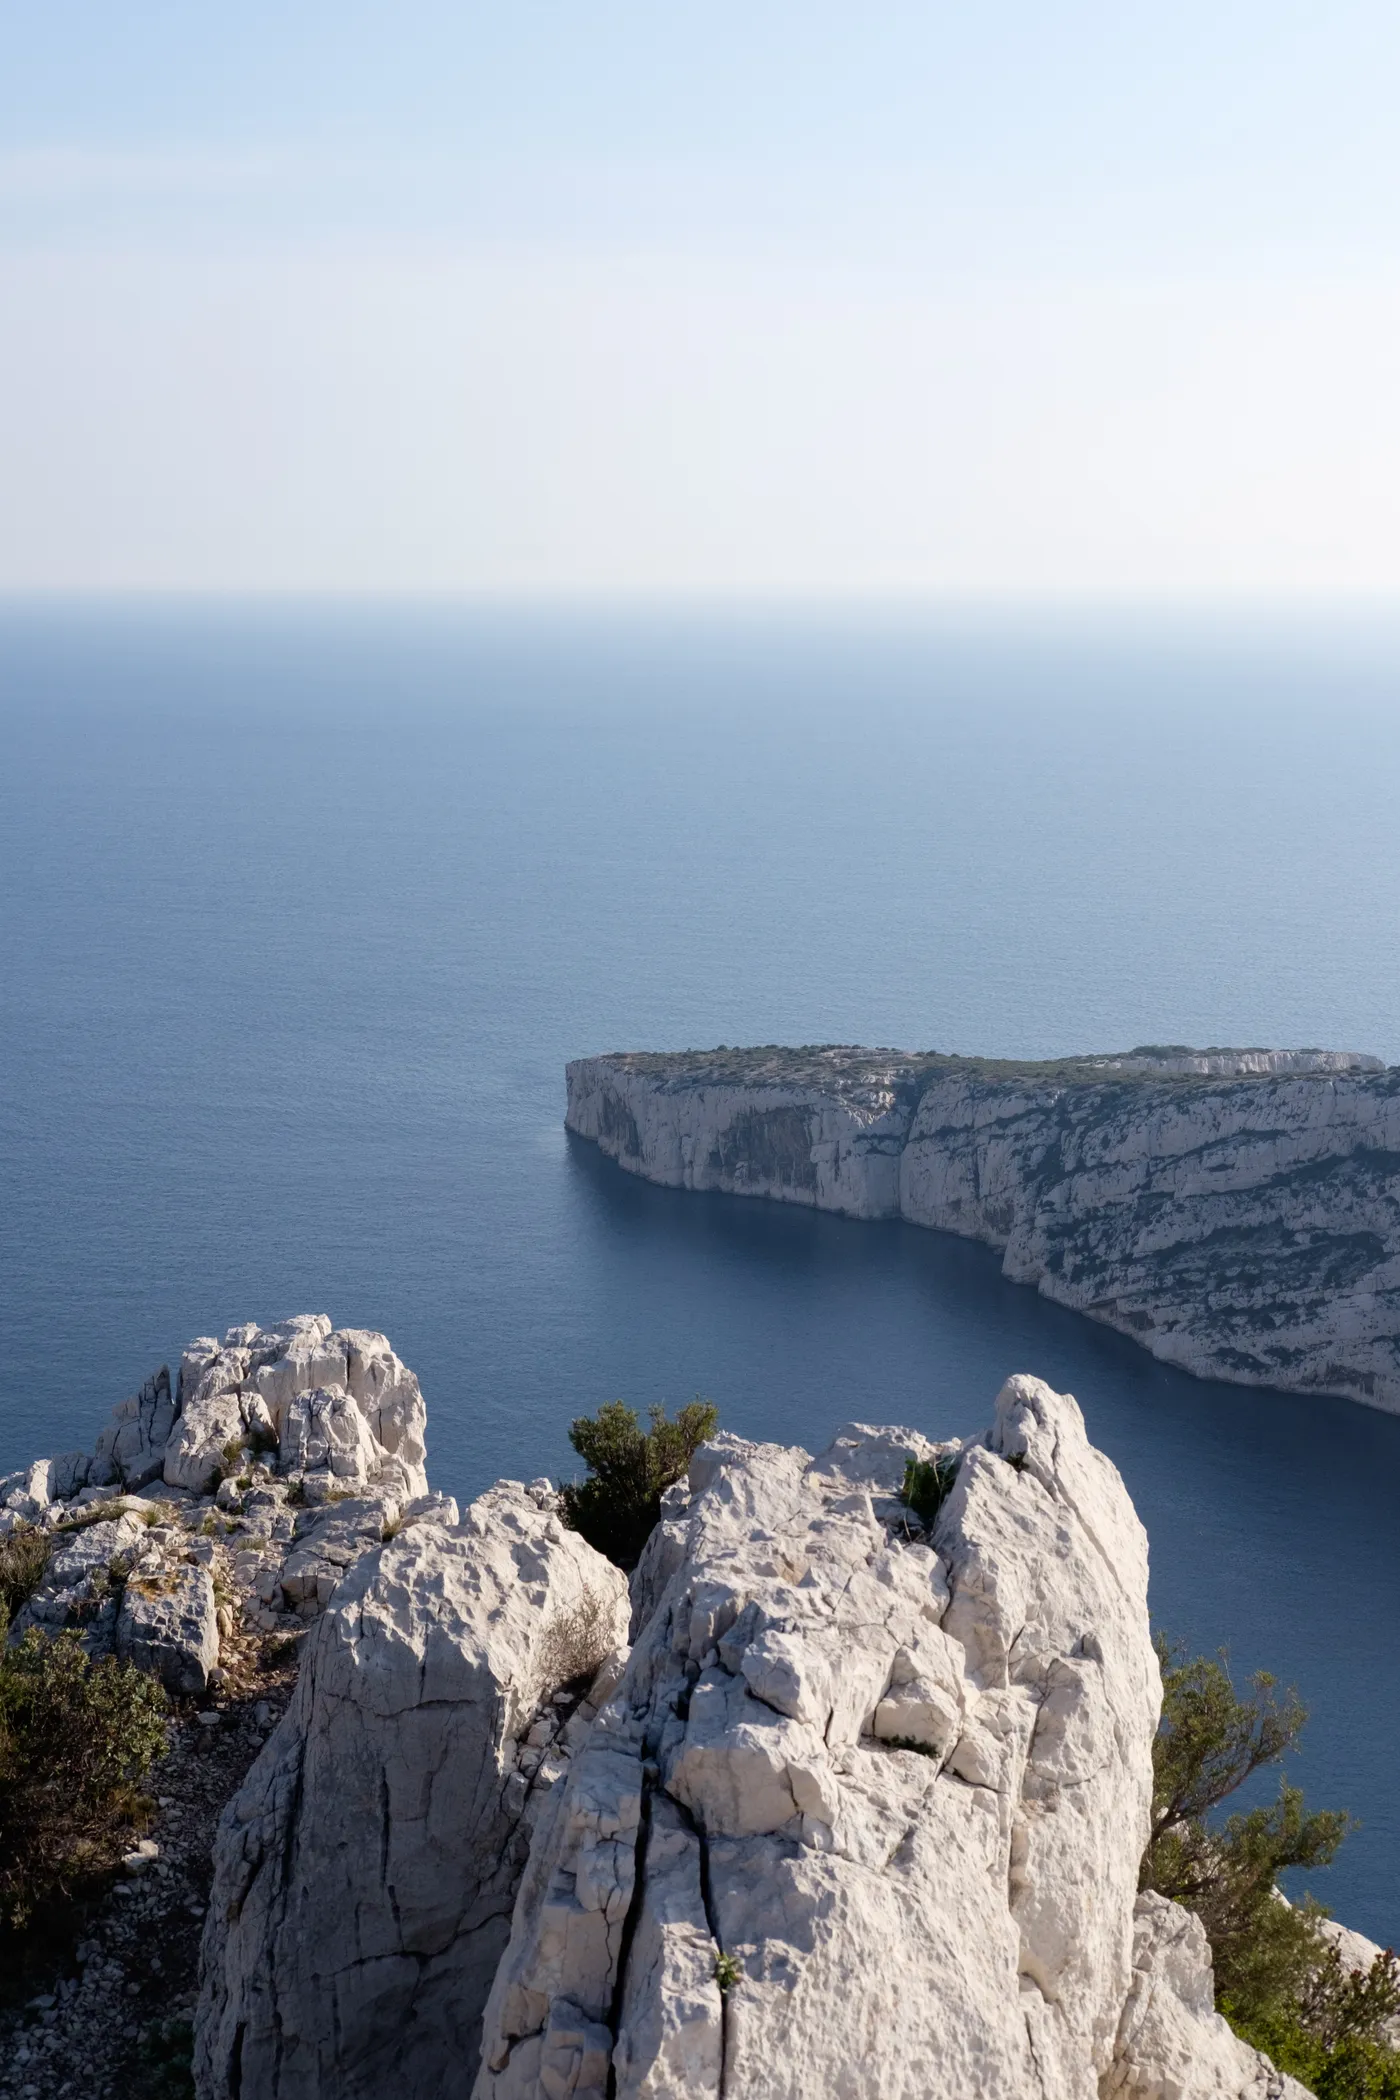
point(1076, 300)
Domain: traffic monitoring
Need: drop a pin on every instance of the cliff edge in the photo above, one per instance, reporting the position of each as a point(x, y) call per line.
point(1235, 1212)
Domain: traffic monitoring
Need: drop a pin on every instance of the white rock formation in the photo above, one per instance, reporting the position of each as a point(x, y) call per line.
point(132, 1447)
point(167, 1623)
point(859, 1816)
point(364, 1874)
point(864, 1815)
point(1171, 2043)
point(340, 1404)
point(76, 1588)
point(316, 1475)
point(1238, 1213)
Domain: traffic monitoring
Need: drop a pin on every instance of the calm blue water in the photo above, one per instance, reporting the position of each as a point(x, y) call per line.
point(304, 911)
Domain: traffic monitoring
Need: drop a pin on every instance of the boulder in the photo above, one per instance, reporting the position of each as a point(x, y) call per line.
point(68, 1474)
point(211, 1419)
point(80, 1585)
point(167, 1624)
point(327, 1542)
point(27, 1493)
point(364, 1874)
point(387, 1394)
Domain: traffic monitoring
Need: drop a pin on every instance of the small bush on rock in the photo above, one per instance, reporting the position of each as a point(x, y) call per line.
point(167, 2058)
point(1277, 1979)
point(630, 1469)
point(24, 1555)
point(76, 1737)
point(727, 1972)
point(575, 1643)
point(927, 1483)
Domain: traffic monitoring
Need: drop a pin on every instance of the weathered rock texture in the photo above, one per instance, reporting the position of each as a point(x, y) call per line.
point(365, 1873)
point(282, 1456)
point(1238, 1213)
point(859, 1815)
point(864, 1815)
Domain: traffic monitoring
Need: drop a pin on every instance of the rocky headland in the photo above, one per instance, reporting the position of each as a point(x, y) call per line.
point(824, 1800)
point(1235, 1212)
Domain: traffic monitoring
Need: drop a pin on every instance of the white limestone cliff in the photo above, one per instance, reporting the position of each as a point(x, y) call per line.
point(280, 1458)
point(1237, 1213)
point(364, 1874)
point(864, 1815)
point(858, 1814)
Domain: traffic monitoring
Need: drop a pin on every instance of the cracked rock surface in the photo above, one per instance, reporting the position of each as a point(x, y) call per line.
point(858, 1814)
point(864, 1815)
point(364, 1873)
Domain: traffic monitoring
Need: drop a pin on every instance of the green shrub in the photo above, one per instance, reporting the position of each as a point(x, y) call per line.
point(727, 1972)
point(166, 2061)
point(24, 1555)
point(76, 1737)
point(1277, 1979)
point(927, 1484)
point(630, 1469)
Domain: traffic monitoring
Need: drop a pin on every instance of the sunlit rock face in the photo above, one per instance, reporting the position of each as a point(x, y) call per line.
point(364, 1873)
point(859, 1812)
point(864, 1815)
point(1235, 1212)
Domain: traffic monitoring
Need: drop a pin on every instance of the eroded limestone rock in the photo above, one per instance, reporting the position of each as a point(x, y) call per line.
point(865, 1814)
point(131, 1449)
point(1172, 2044)
point(365, 1873)
point(167, 1623)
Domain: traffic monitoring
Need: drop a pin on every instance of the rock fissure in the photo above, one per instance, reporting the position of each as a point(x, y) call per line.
point(629, 1928)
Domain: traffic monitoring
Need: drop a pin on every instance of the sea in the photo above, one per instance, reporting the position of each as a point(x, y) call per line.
point(304, 906)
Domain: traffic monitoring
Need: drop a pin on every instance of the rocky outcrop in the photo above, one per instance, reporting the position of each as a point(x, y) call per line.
point(132, 1447)
point(1171, 2043)
point(1235, 1212)
point(859, 1813)
point(339, 1408)
point(283, 1455)
point(865, 1812)
point(365, 1873)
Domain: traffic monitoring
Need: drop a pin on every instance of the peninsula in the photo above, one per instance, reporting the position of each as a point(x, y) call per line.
point(1235, 1211)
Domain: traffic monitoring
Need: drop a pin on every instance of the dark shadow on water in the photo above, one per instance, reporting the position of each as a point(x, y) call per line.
point(1271, 1516)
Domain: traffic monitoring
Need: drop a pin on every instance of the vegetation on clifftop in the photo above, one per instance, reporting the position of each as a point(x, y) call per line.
point(1278, 1980)
point(629, 1470)
point(840, 1067)
point(76, 1739)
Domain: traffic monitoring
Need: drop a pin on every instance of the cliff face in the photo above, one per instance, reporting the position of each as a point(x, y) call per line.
point(859, 1814)
point(1238, 1213)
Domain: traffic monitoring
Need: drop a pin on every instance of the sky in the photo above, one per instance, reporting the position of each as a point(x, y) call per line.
point(1091, 301)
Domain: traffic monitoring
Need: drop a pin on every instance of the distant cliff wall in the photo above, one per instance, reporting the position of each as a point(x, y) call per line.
point(1238, 1213)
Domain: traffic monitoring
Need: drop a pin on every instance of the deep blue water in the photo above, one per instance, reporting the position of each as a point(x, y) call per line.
point(301, 913)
